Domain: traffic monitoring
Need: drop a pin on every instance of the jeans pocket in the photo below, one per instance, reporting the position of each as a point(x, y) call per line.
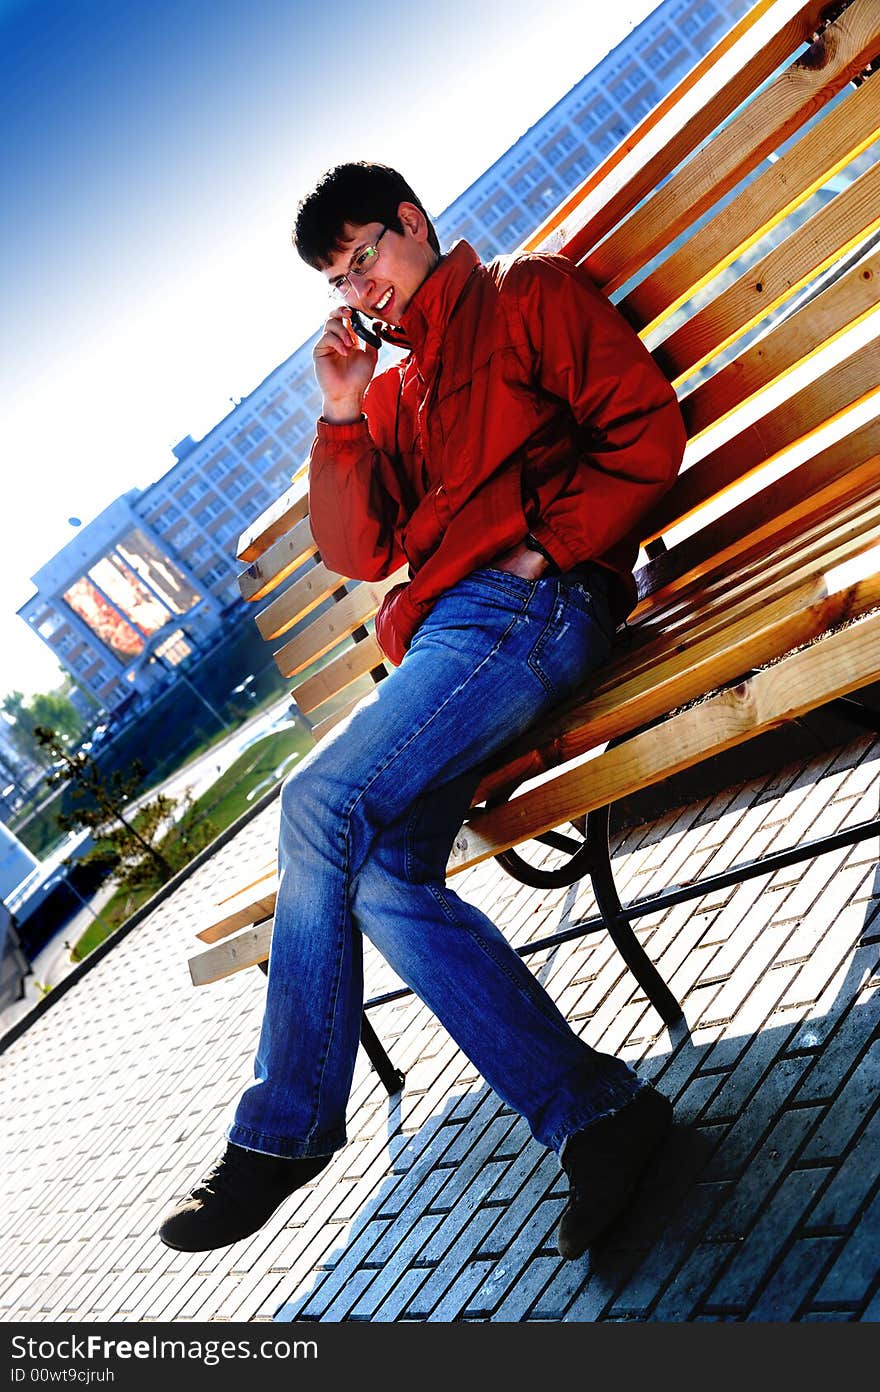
point(592, 596)
point(573, 641)
point(507, 581)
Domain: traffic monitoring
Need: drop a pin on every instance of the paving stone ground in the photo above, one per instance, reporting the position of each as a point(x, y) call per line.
point(763, 1206)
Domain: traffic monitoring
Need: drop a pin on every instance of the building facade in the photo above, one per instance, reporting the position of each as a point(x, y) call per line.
point(154, 577)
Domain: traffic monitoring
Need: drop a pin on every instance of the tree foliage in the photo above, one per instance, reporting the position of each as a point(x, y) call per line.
point(51, 709)
point(144, 848)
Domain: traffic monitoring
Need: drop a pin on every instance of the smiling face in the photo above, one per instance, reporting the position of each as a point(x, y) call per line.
point(404, 260)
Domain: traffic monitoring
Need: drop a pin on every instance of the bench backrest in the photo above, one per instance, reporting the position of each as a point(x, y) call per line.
point(736, 228)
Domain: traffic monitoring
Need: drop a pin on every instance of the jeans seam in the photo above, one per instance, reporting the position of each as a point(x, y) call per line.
point(485, 574)
point(438, 892)
point(420, 729)
point(333, 1003)
point(541, 643)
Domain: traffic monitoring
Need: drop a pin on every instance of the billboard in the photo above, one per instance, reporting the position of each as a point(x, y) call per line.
point(130, 594)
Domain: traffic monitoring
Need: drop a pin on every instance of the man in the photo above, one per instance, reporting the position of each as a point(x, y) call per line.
point(509, 459)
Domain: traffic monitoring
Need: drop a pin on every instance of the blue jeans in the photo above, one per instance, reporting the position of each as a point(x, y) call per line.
point(367, 823)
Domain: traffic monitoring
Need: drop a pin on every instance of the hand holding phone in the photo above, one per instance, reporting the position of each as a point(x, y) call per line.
point(344, 368)
point(363, 332)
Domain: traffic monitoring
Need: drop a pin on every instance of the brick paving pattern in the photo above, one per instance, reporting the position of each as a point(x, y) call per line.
point(763, 1206)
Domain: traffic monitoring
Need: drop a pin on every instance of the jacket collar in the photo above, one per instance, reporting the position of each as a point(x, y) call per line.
point(430, 309)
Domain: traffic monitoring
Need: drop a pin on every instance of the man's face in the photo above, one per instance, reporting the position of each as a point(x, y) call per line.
point(387, 285)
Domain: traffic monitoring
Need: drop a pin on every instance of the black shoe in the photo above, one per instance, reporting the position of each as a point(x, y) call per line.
point(238, 1196)
point(604, 1164)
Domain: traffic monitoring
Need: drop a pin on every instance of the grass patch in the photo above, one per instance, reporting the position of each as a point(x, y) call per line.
point(112, 916)
point(254, 772)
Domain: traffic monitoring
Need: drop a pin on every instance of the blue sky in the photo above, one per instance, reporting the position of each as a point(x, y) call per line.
point(151, 159)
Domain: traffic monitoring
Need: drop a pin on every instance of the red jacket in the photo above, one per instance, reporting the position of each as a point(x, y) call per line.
point(526, 403)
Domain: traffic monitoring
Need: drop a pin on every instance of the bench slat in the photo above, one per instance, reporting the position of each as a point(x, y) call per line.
point(324, 726)
point(815, 245)
point(749, 570)
point(832, 667)
point(298, 600)
point(723, 609)
point(281, 559)
point(844, 133)
point(766, 123)
point(842, 386)
point(705, 97)
point(334, 626)
point(811, 489)
point(799, 336)
point(245, 950)
point(250, 904)
point(355, 662)
point(275, 520)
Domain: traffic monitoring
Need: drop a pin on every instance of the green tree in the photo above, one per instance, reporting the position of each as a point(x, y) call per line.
point(100, 800)
point(51, 709)
point(142, 849)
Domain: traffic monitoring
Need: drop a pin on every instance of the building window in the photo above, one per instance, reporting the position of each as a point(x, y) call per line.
point(218, 468)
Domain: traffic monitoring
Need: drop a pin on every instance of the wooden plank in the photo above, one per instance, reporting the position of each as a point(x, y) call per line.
point(281, 559)
point(781, 549)
point(832, 667)
point(816, 324)
point(829, 234)
point(233, 955)
point(274, 521)
point(325, 726)
point(298, 600)
point(331, 628)
point(748, 591)
point(257, 874)
point(813, 488)
point(249, 904)
point(627, 696)
point(847, 130)
point(758, 44)
point(355, 662)
point(767, 121)
point(845, 384)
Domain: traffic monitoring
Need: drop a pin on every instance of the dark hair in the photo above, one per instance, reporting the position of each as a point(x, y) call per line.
point(357, 193)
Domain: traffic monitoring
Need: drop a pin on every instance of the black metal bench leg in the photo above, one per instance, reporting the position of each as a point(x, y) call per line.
point(618, 924)
point(392, 1077)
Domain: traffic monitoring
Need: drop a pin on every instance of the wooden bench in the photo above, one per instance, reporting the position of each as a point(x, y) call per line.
point(712, 229)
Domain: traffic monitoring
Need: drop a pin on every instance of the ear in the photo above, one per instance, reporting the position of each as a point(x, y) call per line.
point(414, 221)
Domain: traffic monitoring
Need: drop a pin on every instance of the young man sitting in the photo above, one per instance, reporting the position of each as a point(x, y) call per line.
point(508, 459)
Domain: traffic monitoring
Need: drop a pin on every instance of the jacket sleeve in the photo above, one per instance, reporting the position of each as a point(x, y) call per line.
point(356, 507)
point(631, 431)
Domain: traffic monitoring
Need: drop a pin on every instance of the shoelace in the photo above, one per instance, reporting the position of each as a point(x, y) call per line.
point(220, 1179)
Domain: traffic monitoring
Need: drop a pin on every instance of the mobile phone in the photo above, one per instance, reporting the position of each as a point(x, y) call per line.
point(363, 332)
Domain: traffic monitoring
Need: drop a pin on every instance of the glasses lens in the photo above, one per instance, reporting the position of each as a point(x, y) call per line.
point(363, 261)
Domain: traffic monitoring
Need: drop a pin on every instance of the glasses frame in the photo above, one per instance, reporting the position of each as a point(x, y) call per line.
point(343, 287)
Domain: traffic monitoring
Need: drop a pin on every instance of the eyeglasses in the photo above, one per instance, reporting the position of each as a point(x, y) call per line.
point(361, 265)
